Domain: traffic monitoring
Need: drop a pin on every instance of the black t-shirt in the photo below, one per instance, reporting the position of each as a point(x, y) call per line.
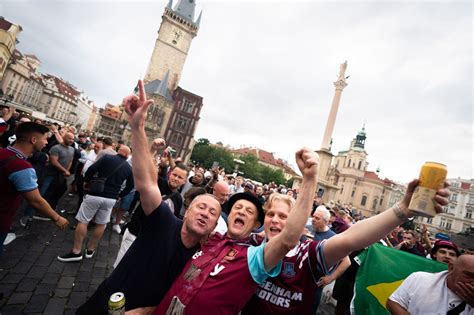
point(151, 264)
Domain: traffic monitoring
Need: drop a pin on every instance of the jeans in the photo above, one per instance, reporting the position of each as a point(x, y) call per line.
point(47, 181)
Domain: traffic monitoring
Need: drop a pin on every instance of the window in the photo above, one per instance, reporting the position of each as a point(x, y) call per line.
point(353, 192)
point(449, 224)
point(342, 189)
point(445, 209)
point(468, 214)
point(363, 201)
point(349, 164)
point(442, 224)
point(360, 164)
point(452, 209)
point(181, 123)
point(466, 227)
point(429, 220)
point(320, 192)
point(177, 139)
point(471, 199)
point(188, 106)
point(381, 201)
point(374, 204)
point(453, 198)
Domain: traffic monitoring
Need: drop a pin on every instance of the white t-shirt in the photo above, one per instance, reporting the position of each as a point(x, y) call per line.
point(427, 293)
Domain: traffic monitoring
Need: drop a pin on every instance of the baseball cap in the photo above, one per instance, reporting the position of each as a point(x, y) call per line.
point(443, 243)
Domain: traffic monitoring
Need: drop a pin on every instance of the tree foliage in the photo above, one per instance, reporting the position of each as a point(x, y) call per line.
point(205, 154)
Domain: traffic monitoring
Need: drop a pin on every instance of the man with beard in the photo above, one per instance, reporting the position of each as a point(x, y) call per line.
point(18, 178)
point(164, 243)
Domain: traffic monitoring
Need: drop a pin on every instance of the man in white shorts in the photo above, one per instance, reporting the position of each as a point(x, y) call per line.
point(98, 203)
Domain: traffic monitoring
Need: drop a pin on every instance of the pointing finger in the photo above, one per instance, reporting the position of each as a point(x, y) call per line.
point(141, 88)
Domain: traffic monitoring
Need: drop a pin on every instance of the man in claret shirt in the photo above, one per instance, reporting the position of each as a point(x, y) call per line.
point(293, 290)
point(224, 274)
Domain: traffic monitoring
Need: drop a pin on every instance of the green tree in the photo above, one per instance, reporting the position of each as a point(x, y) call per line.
point(205, 155)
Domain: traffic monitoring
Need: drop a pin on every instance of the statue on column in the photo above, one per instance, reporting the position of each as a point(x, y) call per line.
point(342, 71)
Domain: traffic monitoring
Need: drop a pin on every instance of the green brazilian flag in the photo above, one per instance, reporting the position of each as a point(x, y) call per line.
point(381, 272)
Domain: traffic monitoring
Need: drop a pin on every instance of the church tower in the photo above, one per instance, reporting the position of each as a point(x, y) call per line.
point(177, 30)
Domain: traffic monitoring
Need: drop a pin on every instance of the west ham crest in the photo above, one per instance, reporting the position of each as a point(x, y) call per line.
point(288, 270)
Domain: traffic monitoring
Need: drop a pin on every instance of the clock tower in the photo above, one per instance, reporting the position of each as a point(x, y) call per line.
point(177, 30)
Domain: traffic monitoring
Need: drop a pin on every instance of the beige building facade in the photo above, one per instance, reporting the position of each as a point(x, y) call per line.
point(16, 77)
point(8, 40)
point(458, 215)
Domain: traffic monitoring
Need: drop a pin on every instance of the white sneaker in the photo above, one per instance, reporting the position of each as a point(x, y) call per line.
point(116, 228)
point(10, 238)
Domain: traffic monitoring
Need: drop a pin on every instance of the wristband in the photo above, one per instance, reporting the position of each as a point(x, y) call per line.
point(399, 212)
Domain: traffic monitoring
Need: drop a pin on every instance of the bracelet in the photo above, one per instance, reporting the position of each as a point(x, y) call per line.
point(399, 212)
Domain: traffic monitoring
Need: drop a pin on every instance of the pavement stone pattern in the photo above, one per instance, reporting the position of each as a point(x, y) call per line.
point(33, 281)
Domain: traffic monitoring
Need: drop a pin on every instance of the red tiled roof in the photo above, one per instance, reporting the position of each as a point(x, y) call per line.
point(5, 25)
point(267, 157)
point(65, 89)
point(466, 186)
point(111, 114)
point(372, 175)
point(32, 57)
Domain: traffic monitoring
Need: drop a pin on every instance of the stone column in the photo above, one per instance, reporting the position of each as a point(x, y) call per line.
point(340, 84)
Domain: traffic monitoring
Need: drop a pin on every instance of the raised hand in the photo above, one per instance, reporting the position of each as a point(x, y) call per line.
point(157, 144)
point(441, 197)
point(137, 107)
point(307, 161)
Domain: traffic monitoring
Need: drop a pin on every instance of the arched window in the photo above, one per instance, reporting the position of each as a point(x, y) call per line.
point(374, 204)
point(349, 164)
point(363, 201)
point(360, 164)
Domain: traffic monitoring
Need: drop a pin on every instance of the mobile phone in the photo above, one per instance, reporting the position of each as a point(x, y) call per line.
point(215, 165)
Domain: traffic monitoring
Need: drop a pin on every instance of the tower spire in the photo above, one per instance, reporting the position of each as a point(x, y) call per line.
point(185, 8)
point(163, 87)
point(198, 21)
point(340, 84)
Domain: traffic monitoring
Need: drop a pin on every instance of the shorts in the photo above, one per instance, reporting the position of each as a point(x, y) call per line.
point(99, 207)
point(126, 201)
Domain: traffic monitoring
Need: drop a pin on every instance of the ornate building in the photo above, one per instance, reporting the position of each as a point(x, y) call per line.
point(8, 40)
point(175, 114)
point(458, 215)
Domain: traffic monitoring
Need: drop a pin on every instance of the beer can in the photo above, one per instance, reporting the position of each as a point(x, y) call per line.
point(432, 177)
point(117, 304)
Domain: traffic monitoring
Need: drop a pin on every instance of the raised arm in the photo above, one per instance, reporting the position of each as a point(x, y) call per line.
point(144, 171)
point(371, 230)
point(281, 244)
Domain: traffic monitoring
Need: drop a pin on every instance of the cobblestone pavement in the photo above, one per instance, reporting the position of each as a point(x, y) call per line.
point(33, 281)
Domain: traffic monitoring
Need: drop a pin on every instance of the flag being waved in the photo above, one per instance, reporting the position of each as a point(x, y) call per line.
point(381, 272)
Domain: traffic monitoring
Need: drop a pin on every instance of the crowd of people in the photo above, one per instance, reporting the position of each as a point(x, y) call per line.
point(199, 241)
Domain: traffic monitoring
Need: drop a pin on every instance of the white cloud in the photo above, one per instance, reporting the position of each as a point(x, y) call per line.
point(265, 70)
